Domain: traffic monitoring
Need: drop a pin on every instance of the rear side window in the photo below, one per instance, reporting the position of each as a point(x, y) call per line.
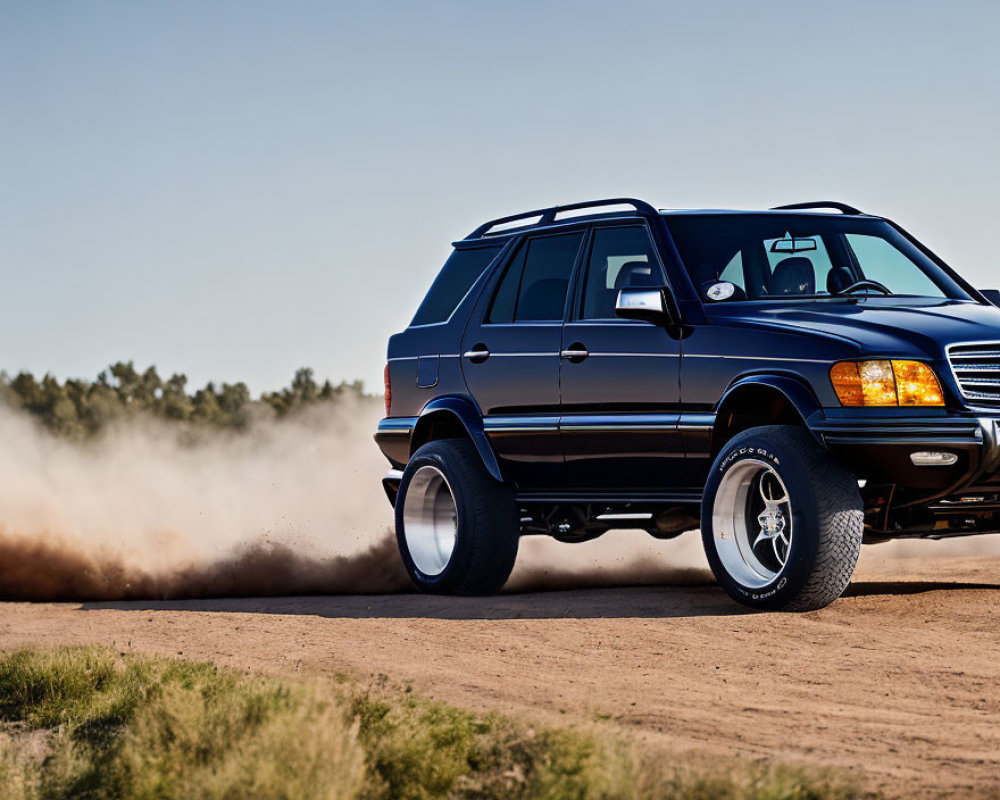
point(534, 286)
point(459, 272)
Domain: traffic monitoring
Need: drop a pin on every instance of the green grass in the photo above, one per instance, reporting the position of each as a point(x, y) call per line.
point(167, 728)
point(88, 723)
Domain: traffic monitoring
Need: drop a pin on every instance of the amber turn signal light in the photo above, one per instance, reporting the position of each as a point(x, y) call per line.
point(886, 382)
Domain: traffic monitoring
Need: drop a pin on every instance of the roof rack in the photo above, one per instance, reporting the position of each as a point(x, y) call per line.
point(841, 207)
point(546, 216)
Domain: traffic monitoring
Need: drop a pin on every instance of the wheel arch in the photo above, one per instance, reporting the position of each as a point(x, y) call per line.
point(762, 400)
point(454, 418)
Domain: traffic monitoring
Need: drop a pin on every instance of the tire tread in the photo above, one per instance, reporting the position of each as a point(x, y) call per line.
point(841, 524)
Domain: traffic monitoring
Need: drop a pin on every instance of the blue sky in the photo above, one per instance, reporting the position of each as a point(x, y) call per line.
point(236, 189)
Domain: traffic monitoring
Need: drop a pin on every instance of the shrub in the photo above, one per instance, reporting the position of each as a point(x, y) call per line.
point(166, 728)
point(90, 723)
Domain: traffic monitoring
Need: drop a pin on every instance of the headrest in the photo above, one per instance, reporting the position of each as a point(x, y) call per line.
point(838, 279)
point(636, 273)
point(793, 276)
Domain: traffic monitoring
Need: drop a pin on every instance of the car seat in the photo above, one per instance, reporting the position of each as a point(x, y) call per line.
point(637, 274)
point(793, 276)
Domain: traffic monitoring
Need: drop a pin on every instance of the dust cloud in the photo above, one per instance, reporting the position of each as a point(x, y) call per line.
point(618, 558)
point(287, 507)
point(901, 557)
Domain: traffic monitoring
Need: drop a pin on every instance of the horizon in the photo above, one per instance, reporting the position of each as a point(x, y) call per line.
point(7, 377)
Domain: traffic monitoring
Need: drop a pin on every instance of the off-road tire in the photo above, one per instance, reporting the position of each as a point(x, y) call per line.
point(827, 519)
point(488, 525)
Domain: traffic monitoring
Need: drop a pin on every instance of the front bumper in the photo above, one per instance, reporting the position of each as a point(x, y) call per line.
point(903, 499)
point(879, 449)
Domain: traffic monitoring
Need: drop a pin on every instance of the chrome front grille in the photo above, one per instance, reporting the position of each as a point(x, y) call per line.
point(977, 371)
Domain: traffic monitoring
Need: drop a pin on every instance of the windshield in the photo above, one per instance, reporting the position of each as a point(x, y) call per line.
point(784, 256)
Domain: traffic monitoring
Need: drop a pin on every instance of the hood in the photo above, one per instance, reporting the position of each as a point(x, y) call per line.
point(877, 326)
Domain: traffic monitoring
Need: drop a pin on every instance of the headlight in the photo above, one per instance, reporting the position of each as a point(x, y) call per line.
point(886, 383)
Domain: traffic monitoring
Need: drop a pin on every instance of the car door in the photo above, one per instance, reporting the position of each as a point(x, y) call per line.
point(619, 378)
point(510, 357)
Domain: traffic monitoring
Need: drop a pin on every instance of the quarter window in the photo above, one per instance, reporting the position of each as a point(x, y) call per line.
point(459, 272)
point(619, 258)
point(534, 287)
point(733, 273)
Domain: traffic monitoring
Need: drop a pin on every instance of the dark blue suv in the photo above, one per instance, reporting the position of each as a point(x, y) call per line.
point(793, 382)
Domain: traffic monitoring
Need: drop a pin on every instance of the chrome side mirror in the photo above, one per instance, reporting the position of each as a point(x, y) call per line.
point(649, 305)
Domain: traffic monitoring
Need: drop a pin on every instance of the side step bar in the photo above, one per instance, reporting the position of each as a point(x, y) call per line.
point(692, 496)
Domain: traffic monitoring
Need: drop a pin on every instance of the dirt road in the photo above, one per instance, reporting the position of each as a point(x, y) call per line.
point(898, 680)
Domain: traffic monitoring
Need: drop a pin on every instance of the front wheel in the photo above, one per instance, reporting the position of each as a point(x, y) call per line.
point(781, 521)
point(456, 526)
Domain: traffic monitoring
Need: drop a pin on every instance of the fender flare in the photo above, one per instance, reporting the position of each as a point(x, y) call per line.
point(795, 391)
point(466, 412)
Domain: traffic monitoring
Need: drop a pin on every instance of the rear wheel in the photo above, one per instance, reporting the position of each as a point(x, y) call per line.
point(456, 526)
point(781, 521)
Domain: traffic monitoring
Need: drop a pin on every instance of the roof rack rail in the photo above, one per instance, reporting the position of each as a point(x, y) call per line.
point(546, 216)
point(841, 207)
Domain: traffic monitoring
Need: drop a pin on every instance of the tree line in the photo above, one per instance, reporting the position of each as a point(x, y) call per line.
point(81, 408)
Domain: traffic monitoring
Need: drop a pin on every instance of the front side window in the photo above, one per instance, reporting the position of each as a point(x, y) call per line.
point(780, 256)
point(533, 289)
point(619, 258)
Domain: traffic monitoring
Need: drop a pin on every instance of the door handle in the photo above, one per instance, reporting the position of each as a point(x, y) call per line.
point(478, 354)
point(576, 352)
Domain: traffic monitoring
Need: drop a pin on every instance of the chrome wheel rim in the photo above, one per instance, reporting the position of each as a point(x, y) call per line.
point(752, 523)
point(430, 520)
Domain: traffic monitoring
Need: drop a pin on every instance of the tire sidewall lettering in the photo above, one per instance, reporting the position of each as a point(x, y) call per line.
point(740, 453)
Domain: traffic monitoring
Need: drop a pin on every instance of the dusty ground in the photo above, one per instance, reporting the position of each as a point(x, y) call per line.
point(898, 680)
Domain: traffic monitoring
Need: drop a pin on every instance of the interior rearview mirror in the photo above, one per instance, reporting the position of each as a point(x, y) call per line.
point(793, 245)
point(993, 295)
point(649, 305)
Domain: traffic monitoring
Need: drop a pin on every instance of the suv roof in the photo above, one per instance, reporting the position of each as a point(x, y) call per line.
point(555, 215)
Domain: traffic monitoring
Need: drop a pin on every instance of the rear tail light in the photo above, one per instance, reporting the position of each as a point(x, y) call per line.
point(388, 390)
